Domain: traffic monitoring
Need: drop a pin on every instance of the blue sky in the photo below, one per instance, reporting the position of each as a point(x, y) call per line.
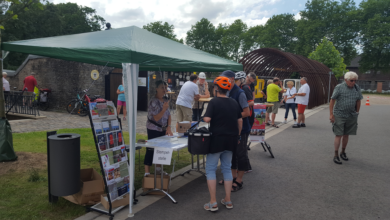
point(184, 13)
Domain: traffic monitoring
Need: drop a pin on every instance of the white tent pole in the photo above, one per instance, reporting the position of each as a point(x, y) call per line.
point(130, 81)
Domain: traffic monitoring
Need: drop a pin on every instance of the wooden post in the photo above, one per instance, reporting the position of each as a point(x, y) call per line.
point(379, 87)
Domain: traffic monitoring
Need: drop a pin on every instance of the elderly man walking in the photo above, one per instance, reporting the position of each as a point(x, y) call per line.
point(302, 99)
point(344, 109)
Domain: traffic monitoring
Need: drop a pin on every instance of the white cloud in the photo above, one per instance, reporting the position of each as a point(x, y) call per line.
point(297, 16)
point(182, 14)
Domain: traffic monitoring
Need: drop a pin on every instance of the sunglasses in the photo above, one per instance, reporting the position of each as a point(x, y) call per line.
point(352, 81)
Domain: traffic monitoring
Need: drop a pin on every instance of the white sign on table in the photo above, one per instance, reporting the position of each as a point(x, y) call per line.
point(162, 156)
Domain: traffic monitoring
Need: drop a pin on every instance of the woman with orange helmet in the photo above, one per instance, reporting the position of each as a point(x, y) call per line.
point(225, 127)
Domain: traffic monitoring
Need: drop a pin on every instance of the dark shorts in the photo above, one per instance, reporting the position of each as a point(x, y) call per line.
point(345, 126)
point(240, 158)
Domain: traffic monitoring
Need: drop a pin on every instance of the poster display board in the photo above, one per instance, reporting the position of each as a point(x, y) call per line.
point(111, 149)
point(257, 133)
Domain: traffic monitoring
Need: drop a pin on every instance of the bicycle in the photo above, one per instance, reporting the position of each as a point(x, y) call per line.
point(43, 99)
point(79, 105)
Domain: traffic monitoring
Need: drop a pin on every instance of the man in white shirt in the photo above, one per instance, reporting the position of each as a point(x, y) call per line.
point(6, 87)
point(302, 99)
point(188, 93)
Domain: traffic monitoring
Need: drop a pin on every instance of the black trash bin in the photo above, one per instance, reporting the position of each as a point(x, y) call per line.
point(64, 164)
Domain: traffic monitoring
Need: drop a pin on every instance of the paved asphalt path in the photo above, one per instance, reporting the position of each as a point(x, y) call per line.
point(302, 182)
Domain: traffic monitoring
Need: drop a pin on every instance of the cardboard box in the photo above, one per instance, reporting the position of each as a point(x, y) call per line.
point(184, 126)
point(92, 187)
point(148, 184)
point(116, 203)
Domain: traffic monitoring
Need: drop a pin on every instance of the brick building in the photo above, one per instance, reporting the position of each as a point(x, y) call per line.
point(369, 79)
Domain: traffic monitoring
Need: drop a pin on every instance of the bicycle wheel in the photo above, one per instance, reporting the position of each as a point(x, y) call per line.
point(43, 106)
point(73, 107)
point(83, 110)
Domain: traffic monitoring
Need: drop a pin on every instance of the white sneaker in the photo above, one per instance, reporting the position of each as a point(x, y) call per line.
point(285, 122)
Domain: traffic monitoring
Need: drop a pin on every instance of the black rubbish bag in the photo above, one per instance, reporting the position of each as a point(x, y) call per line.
point(199, 141)
point(7, 152)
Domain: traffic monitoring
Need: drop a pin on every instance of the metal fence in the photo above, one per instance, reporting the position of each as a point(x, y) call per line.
point(21, 103)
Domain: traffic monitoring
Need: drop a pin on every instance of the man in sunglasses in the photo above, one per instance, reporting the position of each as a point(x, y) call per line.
point(344, 109)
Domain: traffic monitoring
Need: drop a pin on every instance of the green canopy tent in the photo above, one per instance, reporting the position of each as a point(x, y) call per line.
point(124, 45)
point(131, 48)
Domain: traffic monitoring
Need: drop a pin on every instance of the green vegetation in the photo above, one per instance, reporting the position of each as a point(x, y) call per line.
point(327, 54)
point(24, 194)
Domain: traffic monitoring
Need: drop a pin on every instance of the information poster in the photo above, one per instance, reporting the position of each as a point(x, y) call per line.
point(109, 139)
point(258, 129)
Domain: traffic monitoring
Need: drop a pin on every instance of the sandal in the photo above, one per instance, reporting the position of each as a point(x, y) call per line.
point(238, 187)
point(275, 126)
point(228, 205)
point(210, 206)
point(222, 182)
point(268, 124)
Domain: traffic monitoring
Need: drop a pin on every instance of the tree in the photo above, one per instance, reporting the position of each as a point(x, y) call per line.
point(233, 40)
point(165, 30)
point(375, 35)
point(253, 38)
point(54, 20)
point(279, 32)
point(22, 5)
point(327, 54)
point(330, 18)
point(202, 36)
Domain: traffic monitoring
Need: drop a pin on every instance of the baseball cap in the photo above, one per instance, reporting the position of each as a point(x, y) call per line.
point(202, 75)
point(228, 73)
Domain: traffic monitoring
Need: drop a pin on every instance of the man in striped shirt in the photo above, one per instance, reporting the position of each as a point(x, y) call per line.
point(344, 109)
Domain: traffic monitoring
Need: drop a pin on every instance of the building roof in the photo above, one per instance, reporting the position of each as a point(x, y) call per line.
point(15, 72)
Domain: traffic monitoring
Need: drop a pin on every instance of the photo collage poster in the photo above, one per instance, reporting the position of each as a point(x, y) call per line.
point(109, 137)
point(257, 132)
point(102, 109)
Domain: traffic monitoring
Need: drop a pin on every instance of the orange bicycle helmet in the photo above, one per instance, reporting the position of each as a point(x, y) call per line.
point(223, 82)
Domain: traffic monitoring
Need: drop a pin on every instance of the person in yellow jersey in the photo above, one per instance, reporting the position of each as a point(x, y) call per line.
point(273, 91)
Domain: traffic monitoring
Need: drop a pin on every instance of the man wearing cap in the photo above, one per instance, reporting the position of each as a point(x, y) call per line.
point(30, 82)
point(240, 159)
point(197, 107)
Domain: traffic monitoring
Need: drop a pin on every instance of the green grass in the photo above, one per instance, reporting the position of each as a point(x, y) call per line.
point(24, 195)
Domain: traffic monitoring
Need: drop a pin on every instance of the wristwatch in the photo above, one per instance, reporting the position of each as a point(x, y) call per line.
point(239, 137)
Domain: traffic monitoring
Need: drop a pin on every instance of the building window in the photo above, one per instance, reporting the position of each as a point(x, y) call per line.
point(367, 72)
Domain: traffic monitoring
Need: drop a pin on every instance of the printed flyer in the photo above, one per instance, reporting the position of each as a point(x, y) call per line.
point(114, 125)
point(119, 138)
point(98, 127)
point(94, 110)
point(106, 126)
point(107, 158)
point(102, 109)
point(102, 142)
point(111, 108)
point(257, 132)
point(112, 189)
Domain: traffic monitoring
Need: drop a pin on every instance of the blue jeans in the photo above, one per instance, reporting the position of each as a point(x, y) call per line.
point(292, 106)
point(212, 164)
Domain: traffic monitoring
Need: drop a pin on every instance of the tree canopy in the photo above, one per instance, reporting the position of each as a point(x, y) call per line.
point(165, 30)
point(53, 20)
point(374, 17)
point(327, 54)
